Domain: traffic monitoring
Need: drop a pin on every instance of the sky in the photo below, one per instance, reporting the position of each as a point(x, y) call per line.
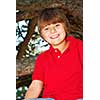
point(39, 47)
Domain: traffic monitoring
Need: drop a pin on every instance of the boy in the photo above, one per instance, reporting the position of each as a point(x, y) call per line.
point(58, 71)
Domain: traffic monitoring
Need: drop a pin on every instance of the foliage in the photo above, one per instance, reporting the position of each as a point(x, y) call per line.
point(20, 92)
point(22, 86)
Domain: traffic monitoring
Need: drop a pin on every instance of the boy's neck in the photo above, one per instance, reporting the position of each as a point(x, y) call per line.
point(62, 46)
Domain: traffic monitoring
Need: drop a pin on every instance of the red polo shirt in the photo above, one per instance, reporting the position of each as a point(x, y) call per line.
point(61, 74)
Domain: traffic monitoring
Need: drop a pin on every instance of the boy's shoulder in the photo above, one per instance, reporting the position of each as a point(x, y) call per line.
point(74, 39)
point(43, 55)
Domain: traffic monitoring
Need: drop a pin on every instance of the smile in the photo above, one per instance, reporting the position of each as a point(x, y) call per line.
point(54, 36)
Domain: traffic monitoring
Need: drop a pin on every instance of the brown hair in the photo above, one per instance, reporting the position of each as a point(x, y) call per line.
point(51, 16)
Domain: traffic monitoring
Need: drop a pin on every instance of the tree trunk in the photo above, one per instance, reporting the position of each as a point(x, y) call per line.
point(24, 44)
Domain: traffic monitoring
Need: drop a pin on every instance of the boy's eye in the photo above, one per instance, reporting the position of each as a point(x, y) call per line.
point(57, 25)
point(46, 29)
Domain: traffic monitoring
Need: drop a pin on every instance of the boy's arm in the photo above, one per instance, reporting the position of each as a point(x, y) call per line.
point(35, 89)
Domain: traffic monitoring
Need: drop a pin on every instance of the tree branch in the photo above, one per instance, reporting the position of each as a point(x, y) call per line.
point(31, 27)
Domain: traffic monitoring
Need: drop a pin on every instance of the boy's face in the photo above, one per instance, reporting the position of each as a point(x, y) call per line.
point(54, 34)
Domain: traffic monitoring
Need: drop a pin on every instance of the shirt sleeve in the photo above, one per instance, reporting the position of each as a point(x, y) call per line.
point(38, 73)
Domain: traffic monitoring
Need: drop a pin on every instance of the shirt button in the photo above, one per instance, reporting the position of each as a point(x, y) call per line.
point(58, 56)
point(55, 50)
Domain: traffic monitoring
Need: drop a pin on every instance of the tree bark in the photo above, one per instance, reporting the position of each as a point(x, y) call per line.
point(73, 9)
point(25, 66)
point(24, 44)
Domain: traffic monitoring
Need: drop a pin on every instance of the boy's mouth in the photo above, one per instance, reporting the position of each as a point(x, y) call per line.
point(54, 36)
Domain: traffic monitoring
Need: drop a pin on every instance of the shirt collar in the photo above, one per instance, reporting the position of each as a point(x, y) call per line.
point(69, 38)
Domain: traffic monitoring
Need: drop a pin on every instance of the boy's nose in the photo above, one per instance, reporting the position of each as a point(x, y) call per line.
point(53, 30)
